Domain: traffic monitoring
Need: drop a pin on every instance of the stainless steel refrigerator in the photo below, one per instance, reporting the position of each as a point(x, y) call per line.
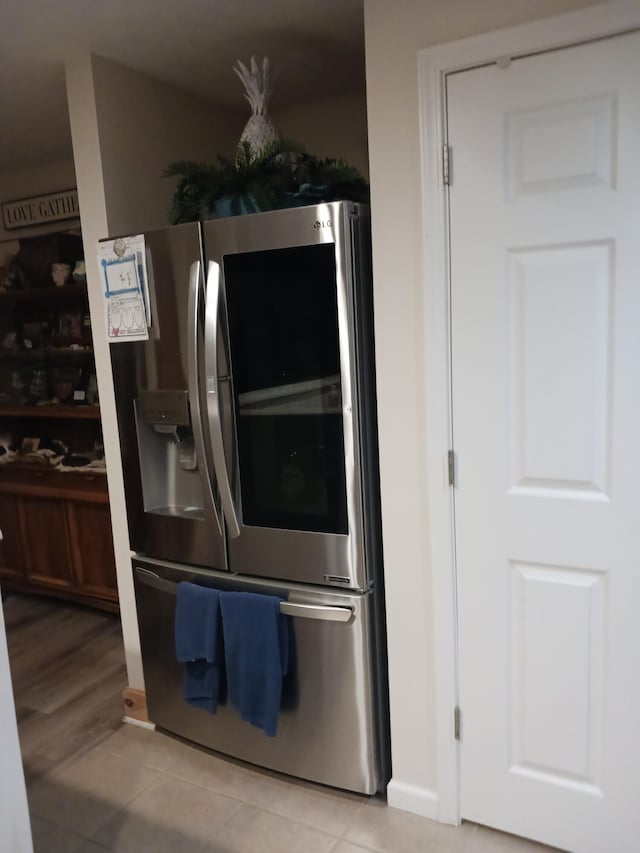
point(248, 434)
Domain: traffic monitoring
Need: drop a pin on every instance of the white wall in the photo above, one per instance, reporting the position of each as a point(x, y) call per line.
point(39, 180)
point(15, 831)
point(395, 33)
point(93, 215)
point(332, 127)
point(126, 128)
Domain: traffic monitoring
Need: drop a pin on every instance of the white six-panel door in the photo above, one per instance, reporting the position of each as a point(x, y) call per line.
point(545, 278)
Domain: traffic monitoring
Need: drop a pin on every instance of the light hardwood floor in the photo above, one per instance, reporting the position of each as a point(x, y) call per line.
point(68, 673)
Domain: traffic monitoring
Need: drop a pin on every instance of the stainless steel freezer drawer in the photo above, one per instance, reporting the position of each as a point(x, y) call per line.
point(330, 723)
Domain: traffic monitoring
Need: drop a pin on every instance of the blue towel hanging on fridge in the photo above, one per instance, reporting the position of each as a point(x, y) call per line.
point(256, 649)
point(198, 639)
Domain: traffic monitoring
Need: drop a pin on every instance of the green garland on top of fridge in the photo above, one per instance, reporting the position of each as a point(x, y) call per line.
point(268, 172)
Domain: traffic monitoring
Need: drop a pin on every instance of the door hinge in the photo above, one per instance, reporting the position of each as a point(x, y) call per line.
point(451, 464)
point(456, 723)
point(446, 163)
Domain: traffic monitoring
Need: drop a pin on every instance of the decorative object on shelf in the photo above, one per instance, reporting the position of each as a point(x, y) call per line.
point(38, 386)
point(259, 134)
point(92, 390)
point(10, 275)
point(33, 334)
point(18, 387)
point(7, 453)
point(60, 273)
point(10, 341)
point(70, 325)
point(268, 173)
point(79, 273)
point(29, 445)
point(65, 382)
point(88, 460)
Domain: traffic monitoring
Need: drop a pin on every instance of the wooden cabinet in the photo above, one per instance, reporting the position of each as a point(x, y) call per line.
point(92, 548)
point(46, 541)
point(11, 555)
point(55, 524)
point(57, 536)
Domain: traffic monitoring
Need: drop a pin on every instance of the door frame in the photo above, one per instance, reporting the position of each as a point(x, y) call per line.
point(434, 64)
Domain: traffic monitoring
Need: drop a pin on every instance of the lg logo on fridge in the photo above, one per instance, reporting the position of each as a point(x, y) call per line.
point(322, 223)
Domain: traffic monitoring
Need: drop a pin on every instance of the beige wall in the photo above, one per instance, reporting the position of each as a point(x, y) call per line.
point(333, 127)
point(395, 33)
point(126, 128)
point(25, 183)
point(143, 125)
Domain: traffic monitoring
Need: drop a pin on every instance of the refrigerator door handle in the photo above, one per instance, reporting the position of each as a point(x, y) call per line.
point(211, 318)
point(326, 613)
point(194, 392)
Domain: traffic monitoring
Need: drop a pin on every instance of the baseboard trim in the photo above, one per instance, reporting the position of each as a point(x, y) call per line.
point(143, 724)
point(410, 798)
point(135, 705)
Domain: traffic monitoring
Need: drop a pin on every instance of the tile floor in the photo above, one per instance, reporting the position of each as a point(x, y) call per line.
point(141, 791)
point(96, 785)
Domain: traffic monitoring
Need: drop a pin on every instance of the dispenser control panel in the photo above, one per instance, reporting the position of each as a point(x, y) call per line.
point(164, 407)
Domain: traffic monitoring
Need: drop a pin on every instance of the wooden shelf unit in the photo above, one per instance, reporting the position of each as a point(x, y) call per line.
point(56, 525)
point(83, 412)
point(43, 294)
point(46, 354)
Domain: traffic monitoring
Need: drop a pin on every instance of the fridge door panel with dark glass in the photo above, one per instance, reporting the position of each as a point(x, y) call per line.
point(287, 305)
point(169, 482)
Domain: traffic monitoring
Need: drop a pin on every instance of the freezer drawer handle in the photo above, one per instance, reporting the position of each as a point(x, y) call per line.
point(326, 613)
point(316, 611)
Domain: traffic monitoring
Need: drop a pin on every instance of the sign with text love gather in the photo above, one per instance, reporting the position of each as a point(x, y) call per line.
point(40, 209)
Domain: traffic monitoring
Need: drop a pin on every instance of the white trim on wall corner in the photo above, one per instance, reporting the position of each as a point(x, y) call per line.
point(438, 427)
point(606, 19)
point(410, 798)
point(143, 724)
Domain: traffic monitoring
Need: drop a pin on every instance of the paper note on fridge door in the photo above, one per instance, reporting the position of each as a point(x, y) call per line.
point(126, 291)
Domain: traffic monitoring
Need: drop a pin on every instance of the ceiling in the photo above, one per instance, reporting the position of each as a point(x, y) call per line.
point(317, 46)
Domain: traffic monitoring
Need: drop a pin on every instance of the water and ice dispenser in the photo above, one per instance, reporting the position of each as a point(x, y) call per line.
point(171, 483)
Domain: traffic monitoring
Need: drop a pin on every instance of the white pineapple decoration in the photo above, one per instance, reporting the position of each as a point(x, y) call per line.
point(259, 131)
